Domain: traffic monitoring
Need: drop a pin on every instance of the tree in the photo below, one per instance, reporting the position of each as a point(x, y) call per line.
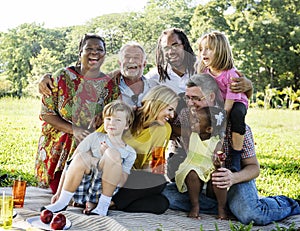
point(45, 62)
point(19, 45)
point(264, 35)
point(209, 17)
point(160, 15)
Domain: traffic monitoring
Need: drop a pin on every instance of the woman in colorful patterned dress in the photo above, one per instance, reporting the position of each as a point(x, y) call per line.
point(79, 96)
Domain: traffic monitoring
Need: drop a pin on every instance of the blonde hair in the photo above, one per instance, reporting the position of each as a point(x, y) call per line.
point(118, 105)
point(219, 44)
point(157, 99)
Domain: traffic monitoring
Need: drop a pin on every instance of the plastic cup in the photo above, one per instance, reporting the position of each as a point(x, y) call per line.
point(6, 211)
point(158, 160)
point(19, 190)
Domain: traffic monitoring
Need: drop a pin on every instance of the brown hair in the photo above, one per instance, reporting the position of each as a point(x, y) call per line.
point(118, 105)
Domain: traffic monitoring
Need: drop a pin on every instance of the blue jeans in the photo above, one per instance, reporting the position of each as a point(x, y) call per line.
point(247, 206)
point(244, 203)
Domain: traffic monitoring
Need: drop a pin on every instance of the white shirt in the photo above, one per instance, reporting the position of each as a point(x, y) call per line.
point(176, 83)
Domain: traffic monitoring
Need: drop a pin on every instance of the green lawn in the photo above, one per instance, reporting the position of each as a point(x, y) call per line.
point(276, 134)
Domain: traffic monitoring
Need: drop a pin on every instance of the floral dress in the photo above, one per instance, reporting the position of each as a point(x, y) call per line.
point(76, 99)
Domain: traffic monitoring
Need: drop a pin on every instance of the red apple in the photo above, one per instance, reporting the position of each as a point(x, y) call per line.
point(58, 222)
point(46, 216)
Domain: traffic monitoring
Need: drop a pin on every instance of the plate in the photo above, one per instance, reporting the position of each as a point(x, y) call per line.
point(36, 222)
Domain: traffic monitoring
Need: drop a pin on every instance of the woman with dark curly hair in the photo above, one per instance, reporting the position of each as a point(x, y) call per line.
point(80, 93)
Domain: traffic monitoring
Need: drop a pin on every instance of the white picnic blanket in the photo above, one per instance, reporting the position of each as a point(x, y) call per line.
point(117, 220)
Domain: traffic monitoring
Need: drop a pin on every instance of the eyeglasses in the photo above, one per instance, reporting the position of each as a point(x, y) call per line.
point(174, 47)
point(194, 98)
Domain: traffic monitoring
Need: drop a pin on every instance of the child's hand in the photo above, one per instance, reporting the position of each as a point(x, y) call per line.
point(219, 159)
point(103, 147)
point(221, 155)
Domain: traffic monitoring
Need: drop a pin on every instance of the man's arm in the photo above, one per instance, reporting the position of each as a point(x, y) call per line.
point(250, 170)
point(45, 85)
point(224, 178)
point(241, 84)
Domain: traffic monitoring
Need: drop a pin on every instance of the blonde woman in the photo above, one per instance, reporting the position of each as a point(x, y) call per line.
point(151, 128)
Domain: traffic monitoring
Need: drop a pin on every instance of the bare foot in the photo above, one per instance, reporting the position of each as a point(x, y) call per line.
point(222, 218)
point(222, 214)
point(89, 206)
point(75, 204)
point(112, 205)
point(194, 213)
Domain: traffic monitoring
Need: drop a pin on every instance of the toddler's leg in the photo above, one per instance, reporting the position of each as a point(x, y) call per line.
point(78, 167)
point(111, 166)
point(221, 195)
point(194, 185)
point(238, 128)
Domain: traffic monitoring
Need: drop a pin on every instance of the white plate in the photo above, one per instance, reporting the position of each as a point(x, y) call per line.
point(36, 222)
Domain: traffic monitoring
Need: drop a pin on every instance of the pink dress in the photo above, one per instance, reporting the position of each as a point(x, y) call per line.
point(223, 81)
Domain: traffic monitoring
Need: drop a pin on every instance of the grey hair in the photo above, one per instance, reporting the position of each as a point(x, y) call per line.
point(207, 84)
point(132, 44)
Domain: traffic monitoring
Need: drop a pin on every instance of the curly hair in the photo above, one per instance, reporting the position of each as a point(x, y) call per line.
point(189, 60)
point(215, 118)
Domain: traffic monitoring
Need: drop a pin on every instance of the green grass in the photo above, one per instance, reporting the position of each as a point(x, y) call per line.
point(19, 133)
point(277, 143)
point(276, 135)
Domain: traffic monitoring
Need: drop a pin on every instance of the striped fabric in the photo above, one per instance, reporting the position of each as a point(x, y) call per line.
point(117, 220)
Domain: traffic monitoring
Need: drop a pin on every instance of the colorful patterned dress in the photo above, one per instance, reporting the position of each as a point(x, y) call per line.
point(76, 99)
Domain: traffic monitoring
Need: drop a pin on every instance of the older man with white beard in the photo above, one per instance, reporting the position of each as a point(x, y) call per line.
point(133, 85)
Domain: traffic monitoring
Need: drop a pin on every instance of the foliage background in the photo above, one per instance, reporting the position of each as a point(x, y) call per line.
point(264, 35)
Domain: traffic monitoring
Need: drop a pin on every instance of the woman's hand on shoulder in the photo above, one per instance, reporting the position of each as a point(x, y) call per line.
point(45, 85)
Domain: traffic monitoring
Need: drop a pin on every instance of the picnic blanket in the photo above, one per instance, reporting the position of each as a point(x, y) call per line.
point(117, 220)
